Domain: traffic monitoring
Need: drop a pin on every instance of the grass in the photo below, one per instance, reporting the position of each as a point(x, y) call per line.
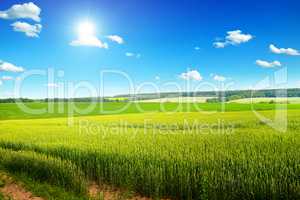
point(53, 110)
point(44, 168)
point(178, 155)
point(48, 191)
point(292, 100)
point(117, 98)
point(40, 189)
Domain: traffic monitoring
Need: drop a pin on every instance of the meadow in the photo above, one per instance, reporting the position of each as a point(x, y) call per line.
point(179, 99)
point(65, 109)
point(292, 100)
point(205, 154)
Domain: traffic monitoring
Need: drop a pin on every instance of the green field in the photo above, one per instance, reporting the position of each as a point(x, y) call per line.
point(12, 111)
point(117, 98)
point(177, 155)
point(292, 100)
point(179, 100)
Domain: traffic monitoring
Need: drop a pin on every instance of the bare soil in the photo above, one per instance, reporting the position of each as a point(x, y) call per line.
point(110, 193)
point(15, 191)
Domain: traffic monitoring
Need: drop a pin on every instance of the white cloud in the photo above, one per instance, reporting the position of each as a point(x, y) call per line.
point(233, 38)
point(7, 78)
point(116, 38)
point(130, 54)
point(237, 37)
point(8, 67)
point(52, 85)
point(22, 11)
point(219, 78)
point(267, 64)
point(219, 44)
point(287, 51)
point(87, 37)
point(89, 40)
point(191, 75)
point(29, 30)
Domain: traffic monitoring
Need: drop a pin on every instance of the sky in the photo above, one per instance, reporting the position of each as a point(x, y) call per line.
point(104, 47)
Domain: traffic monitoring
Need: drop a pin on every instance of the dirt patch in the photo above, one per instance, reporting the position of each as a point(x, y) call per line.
point(13, 190)
point(105, 192)
point(17, 192)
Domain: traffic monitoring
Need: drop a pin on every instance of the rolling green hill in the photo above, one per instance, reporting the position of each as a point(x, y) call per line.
point(62, 109)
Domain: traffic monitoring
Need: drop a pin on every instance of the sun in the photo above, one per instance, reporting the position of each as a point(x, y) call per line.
point(86, 29)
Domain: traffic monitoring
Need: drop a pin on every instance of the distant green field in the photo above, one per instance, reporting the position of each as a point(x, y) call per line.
point(117, 98)
point(292, 100)
point(179, 100)
point(12, 111)
point(178, 155)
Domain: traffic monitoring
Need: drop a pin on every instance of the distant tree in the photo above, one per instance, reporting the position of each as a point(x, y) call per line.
point(234, 97)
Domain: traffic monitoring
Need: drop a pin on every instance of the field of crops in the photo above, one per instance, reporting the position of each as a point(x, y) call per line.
point(179, 99)
point(50, 110)
point(292, 100)
point(177, 155)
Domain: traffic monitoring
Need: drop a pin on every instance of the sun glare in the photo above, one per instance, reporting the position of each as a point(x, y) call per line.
point(86, 29)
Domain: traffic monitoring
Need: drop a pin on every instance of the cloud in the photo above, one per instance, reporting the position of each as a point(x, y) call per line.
point(8, 67)
point(90, 40)
point(52, 85)
point(116, 38)
point(233, 38)
point(288, 51)
point(191, 75)
point(237, 37)
point(87, 37)
point(219, 78)
point(267, 64)
point(7, 78)
point(219, 44)
point(6, 95)
point(22, 11)
point(29, 30)
point(130, 54)
point(297, 83)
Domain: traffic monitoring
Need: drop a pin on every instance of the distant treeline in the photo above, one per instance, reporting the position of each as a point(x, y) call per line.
point(219, 96)
point(85, 99)
point(241, 94)
point(12, 100)
point(228, 95)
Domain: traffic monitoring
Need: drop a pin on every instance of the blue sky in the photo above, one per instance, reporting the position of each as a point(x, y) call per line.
point(168, 40)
